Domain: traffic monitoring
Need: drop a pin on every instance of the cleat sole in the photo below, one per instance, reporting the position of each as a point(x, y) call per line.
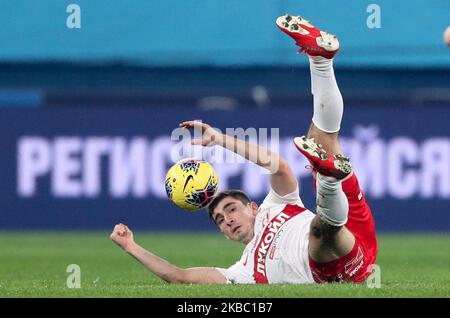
point(328, 41)
point(342, 165)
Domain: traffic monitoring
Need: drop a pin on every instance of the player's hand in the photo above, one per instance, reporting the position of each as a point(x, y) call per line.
point(122, 236)
point(210, 136)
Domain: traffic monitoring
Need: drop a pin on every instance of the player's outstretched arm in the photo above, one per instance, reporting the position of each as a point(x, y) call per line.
point(282, 179)
point(123, 237)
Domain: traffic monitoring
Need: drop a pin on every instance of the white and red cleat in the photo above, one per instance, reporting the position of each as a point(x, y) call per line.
point(311, 40)
point(326, 164)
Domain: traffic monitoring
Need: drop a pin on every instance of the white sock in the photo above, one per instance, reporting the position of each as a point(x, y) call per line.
point(332, 203)
point(328, 102)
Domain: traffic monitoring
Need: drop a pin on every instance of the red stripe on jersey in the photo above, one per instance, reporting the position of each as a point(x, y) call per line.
point(269, 234)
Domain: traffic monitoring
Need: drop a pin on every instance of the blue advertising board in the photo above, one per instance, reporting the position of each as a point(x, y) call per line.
point(89, 169)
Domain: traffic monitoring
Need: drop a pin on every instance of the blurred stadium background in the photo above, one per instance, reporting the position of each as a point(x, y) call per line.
point(86, 113)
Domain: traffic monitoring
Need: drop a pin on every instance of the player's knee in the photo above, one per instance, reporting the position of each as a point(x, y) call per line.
point(323, 231)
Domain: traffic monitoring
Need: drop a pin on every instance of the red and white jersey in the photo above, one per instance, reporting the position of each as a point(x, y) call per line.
point(278, 253)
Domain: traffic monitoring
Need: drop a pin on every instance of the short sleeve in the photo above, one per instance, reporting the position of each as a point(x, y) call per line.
point(237, 273)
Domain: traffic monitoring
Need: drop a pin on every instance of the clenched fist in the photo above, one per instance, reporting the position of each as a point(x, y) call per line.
point(122, 236)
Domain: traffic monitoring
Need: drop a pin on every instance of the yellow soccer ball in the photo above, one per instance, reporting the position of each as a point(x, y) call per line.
point(191, 184)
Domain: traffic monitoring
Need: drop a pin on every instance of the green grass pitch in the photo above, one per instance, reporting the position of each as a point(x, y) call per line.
point(34, 265)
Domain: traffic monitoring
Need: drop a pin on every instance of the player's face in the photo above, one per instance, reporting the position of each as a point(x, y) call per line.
point(236, 219)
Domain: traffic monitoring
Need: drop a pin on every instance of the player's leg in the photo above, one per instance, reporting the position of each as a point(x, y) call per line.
point(342, 240)
point(320, 47)
point(329, 239)
point(328, 105)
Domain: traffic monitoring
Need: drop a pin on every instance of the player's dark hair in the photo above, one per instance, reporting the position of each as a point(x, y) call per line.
point(236, 194)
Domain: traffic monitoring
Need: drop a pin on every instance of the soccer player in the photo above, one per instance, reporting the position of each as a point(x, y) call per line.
point(285, 242)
